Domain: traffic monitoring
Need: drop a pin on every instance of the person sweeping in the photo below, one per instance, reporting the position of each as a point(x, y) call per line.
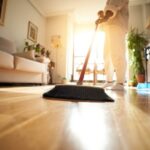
point(116, 17)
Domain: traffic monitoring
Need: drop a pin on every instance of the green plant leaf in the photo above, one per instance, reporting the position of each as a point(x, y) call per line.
point(136, 43)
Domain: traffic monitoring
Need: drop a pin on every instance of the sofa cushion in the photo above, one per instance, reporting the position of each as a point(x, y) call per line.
point(6, 60)
point(7, 45)
point(24, 64)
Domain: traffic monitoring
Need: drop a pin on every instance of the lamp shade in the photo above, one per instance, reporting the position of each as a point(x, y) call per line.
point(56, 41)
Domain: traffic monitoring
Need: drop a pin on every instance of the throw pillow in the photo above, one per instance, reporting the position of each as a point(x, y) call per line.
point(29, 54)
point(7, 45)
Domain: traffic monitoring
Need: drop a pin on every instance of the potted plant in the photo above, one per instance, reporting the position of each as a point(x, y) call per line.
point(35, 47)
point(136, 44)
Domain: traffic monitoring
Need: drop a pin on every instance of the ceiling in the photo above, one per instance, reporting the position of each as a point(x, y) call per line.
point(82, 10)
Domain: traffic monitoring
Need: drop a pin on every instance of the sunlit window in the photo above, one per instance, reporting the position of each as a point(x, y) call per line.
point(82, 43)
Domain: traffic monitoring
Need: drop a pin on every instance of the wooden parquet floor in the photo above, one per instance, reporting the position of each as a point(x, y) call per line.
point(29, 122)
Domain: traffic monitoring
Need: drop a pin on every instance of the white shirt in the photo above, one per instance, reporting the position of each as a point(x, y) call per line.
point(120, 13)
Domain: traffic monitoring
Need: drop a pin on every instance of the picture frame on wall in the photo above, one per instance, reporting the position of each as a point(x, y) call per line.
point(2, 11)
point(32, 32)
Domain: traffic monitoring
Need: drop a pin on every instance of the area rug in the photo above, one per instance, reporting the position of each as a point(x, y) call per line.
point(78, 93)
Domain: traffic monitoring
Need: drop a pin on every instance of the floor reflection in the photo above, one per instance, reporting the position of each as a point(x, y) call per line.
point(89, 124)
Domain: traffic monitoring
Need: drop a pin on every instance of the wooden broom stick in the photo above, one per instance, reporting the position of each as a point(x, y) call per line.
point(80, 81)
point(101, 19)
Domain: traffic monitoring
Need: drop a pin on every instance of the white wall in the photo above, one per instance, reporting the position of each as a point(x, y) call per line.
point(147, 17)
point(136, 17)
point(62, 26)
point(70, 47)
point(139, 15)
point(58, 26)
point(18, 13)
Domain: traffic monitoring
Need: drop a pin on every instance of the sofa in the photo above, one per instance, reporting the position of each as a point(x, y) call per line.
point(18, 69)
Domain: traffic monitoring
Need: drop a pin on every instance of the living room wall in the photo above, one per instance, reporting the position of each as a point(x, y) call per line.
point(18, 13)
point(61, 26)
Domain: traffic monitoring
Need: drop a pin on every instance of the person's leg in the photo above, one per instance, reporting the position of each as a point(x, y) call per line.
point(109, 70)
point(118, 56)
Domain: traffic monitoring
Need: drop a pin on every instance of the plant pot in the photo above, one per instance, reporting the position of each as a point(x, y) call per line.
point(140, 78)
point(132, 83)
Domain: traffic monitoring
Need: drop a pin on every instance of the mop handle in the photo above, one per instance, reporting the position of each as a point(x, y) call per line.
point(86, 60)
point(98, 21)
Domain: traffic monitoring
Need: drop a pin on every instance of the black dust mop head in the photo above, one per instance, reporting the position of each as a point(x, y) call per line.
point(79, 93)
